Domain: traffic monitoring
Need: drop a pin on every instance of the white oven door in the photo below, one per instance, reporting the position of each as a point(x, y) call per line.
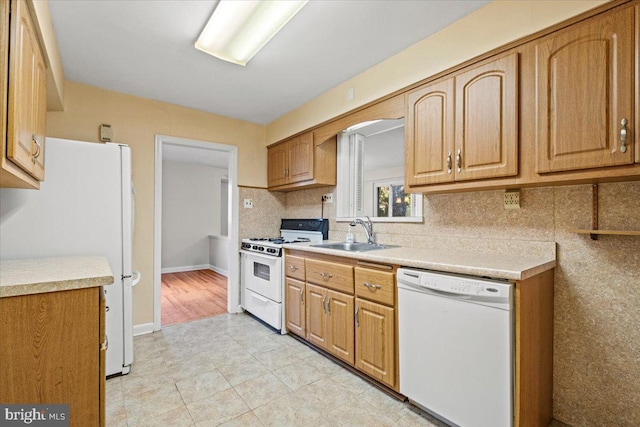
point(262, 274)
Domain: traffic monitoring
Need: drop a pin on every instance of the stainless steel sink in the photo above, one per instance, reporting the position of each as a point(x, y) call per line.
point(352, 247)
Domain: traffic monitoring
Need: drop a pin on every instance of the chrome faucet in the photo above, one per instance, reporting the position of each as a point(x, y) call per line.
point(368, 228)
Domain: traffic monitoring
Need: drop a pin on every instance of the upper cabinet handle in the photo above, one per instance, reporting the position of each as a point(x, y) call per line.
point(459, 161)
point(449, 162)
point(34, 138)
point(623, 136)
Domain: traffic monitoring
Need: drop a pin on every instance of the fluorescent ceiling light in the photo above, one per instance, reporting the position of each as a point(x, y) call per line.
point(237, 30)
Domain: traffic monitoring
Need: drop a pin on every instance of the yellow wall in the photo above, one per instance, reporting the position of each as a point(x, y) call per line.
point(135, 121)
point(492, 26)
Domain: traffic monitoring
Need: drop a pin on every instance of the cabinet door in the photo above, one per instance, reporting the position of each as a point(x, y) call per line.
point(487, 120)
point(584, 89)
point(375, 341)
point(294, 306)
point(340, 317)
point(27, 103)
point(54, 351)
point(277, 161)
point(429, 137)
point(301, 158)
point(316, 315)
point(39, 112)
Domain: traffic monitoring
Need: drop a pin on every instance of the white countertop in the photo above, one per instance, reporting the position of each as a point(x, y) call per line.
point(35, 276)
point(496, 265)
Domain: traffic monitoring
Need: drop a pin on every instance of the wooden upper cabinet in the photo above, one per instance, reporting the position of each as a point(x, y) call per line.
point(584, 90)
point(277, 160)
point(300, 163)
point(27, 94)
point(487, 120)
point(429, 134)
point(464, 127)
point(291, 161)
point(301, 158)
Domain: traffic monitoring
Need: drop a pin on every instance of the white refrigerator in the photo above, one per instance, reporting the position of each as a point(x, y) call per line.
point(84, 207)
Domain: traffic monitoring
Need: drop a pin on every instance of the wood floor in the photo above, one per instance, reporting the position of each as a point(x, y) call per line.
point(192, 295)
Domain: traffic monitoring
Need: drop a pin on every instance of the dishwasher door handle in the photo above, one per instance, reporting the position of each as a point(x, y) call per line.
point(429, 290)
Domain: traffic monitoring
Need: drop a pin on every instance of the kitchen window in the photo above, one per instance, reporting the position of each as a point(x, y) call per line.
point(391, 200)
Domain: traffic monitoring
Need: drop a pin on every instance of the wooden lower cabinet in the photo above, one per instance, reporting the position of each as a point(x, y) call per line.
point(316, 315)
point(375, 341)
point(295, 307)
point(330, 321)
point(340, 309)
point(52, 352)
point(355, 324)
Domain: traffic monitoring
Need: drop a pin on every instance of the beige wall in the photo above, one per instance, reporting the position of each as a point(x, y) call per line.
point(492, 26)
point(597, 283)
point(135, 121)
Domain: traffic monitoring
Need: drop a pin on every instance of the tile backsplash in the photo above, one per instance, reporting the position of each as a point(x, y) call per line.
point(597, 283)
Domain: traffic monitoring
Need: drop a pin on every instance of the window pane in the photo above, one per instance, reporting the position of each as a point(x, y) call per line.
point(383, 201)
point(401, 202)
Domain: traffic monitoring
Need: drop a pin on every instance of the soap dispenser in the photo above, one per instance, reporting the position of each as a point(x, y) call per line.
point(349, 236)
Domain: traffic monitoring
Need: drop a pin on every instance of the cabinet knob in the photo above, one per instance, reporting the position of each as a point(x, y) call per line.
point(623, 136)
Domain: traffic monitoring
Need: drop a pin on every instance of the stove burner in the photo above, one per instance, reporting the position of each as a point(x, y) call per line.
point(279, 240)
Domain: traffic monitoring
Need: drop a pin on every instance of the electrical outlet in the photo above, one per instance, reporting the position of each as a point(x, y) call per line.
point(512, 199)
point(248, 203)
point(327, 198)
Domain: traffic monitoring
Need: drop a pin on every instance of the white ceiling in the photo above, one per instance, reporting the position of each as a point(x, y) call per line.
point(146, 48)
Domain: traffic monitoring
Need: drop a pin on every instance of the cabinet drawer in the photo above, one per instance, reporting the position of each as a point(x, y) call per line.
point(330, 275)
point(375, 285)
point(294, 267)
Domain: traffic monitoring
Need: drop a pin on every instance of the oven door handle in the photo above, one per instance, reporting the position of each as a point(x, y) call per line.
point(259, 255)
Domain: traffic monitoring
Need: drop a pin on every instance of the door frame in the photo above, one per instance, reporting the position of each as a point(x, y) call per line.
point(233, 271)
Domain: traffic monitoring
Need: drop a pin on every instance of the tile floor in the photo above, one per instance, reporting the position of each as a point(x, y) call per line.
point(231, 370)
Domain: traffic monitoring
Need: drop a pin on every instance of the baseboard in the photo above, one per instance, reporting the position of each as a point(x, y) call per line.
point(142, 329)
point(219, 270)
point(185, 268)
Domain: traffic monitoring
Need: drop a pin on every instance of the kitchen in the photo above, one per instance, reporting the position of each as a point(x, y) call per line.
point(595, 334)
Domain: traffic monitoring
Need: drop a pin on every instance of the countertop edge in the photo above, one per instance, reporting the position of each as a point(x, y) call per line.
point(36, 276)
point(54, 286)
point(536, 266)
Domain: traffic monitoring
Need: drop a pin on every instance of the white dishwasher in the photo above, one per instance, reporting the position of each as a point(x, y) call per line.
point(456, 339)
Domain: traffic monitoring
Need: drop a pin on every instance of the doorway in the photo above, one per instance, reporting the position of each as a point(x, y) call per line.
point(173, 154)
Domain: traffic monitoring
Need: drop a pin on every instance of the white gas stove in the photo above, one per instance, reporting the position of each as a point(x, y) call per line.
point(262, 269)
